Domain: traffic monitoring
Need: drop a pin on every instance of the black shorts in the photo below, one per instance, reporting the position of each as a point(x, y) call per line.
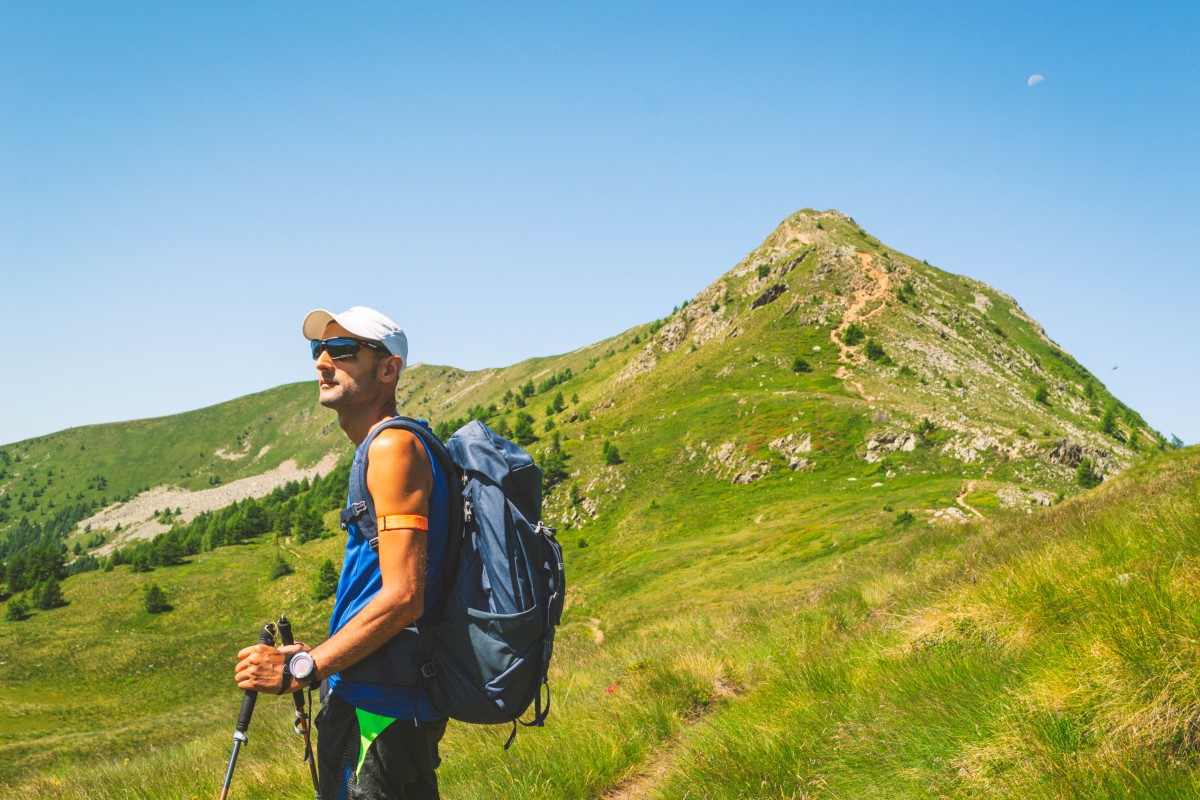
point(401, 763)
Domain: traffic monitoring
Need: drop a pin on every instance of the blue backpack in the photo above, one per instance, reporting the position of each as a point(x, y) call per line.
point(491, 634)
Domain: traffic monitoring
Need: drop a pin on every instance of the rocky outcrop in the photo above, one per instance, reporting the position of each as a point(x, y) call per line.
point(790, 447)
point(728, 461)
point(769, 295)
point(889, 442)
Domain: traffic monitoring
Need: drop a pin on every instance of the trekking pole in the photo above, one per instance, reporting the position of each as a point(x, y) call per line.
point(267, 637)
point(301, 727)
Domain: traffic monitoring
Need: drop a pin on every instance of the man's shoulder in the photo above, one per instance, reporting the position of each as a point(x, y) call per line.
point(399, 448)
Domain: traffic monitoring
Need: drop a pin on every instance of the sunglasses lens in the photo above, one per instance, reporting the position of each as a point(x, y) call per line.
point(342, 348)
point(337, 348)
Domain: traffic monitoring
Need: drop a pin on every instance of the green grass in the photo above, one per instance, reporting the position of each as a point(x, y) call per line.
point(999, 660)
point(782, 638)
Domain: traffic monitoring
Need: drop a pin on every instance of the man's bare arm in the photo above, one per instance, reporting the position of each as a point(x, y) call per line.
point(400, 480)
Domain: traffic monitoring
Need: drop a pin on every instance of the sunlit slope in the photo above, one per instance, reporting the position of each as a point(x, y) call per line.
point(1054, 657)
point(57, 479)
point(1044, 656)
point(769, 501)
point(923, 345)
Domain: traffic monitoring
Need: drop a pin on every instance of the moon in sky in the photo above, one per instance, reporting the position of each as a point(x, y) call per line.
point(1035, 79)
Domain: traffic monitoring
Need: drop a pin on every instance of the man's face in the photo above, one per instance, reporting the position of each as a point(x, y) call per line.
point(349, 381)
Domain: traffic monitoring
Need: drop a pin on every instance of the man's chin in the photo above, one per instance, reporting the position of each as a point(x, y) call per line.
point(330, 398)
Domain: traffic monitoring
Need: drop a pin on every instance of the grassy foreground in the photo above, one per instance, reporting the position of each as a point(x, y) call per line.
point(1050, 655)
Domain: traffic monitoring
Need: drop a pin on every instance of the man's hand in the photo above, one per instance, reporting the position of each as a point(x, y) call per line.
point(260, 668)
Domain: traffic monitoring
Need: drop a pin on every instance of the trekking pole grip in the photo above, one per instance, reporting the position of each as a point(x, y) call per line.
point(267, 637)
point(285, 638)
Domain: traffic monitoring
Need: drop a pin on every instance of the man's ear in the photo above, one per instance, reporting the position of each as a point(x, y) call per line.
point(389, 369)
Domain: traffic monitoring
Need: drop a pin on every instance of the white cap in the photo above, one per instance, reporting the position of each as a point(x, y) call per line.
point(363, 322)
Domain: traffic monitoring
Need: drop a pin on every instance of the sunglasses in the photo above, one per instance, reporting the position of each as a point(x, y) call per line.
point(341, 347)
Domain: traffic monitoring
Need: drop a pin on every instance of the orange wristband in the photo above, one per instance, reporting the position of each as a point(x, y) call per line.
point(408, 522)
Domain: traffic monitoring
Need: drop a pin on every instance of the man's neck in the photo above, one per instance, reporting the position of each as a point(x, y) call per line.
point(358, 424)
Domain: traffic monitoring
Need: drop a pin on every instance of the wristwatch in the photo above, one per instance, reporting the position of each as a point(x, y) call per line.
point(302, 667)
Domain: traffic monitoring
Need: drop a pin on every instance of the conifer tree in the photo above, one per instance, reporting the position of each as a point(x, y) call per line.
point(327, 581)
point(48, 595)
point(1086, 474)
point(155, 600)
point(17, 610)
point(280, 567)
point(523, 431)
point(553, 464)
point(1108, 423)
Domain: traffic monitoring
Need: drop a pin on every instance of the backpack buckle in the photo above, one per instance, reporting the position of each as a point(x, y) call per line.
point(428, 671)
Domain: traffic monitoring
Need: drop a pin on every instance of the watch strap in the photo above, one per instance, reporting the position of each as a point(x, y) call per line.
point(286, 677)
point(313, 681)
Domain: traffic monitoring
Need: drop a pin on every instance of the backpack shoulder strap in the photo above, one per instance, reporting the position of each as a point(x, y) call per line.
point(453, 477)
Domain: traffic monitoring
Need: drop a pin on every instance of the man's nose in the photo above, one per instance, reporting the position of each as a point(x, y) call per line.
point(324, 362)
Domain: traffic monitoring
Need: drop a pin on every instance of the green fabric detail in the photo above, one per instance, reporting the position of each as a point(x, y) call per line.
point(369, 726)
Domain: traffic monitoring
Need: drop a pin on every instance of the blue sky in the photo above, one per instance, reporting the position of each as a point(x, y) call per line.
point(180, 183)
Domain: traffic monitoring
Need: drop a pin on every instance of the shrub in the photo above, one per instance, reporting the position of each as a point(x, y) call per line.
point(874, 351)
point(280, 568)
point(610, 453)
point(327, 581)
point(523, 431)
point(155, 599)
point(48, 595)
point(763, 271)
point(800, 365)
point(903, 518)
point(1108, 423)
point(17, 610)
point(1042, 395)
point(1086, 475)
point(853, 335)
point(554, 465)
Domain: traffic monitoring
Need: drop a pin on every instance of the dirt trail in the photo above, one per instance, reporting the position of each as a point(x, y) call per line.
point(651, 773)
point(876, 291)
point(597, 634)
point(961, 500)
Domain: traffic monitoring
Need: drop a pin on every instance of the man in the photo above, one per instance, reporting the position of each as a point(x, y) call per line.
point(378, 733)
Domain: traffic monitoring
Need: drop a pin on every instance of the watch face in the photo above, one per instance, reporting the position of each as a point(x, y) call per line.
point(302, 665)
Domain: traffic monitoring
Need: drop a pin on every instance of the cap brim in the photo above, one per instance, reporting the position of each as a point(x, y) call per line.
point(316, 322)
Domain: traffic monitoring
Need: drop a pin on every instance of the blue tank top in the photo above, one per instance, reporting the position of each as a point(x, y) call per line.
point(361, 580)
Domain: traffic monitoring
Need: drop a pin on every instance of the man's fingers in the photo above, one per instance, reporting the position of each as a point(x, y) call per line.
point(254, 648)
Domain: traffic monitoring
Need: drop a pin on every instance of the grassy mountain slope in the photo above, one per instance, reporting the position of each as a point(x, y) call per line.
point(761, 538)
point(56, 480)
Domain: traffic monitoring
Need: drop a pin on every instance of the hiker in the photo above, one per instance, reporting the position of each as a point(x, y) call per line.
point(370, 694)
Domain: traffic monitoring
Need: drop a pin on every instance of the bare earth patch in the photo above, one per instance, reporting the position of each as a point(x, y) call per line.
point(136, 517)
point(875, 290)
